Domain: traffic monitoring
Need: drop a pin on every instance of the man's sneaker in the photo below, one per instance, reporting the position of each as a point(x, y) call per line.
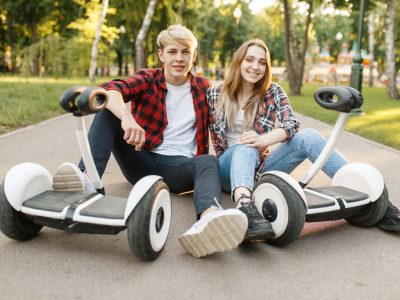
point(391, 220)
point(69, 178)
point(218, 231)
point(259, 228)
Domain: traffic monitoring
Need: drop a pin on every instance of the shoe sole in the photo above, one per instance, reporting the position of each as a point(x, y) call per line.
point(260, 235)
point(389, 228)
point(66, 179)
point(220, 234)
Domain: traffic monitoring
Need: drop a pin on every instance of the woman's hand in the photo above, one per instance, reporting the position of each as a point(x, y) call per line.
point(252, 139)
point(134, 134)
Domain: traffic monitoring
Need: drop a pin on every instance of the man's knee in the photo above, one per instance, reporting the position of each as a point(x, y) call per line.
point(206, 162)
point(104, 118)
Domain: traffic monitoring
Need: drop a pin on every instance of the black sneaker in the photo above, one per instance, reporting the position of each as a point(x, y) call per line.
point(259, 228)
point(391, 220)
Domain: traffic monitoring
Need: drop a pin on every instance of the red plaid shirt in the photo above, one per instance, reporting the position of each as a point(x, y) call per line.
point(147, 91)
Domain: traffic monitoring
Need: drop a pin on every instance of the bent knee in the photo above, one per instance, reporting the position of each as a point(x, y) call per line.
point(207, 160)
point(308, 134)
point(246, 150)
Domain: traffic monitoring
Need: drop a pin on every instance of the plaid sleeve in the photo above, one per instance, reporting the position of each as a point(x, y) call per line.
point(285, 114)
point(131, 87)
point(215, 132)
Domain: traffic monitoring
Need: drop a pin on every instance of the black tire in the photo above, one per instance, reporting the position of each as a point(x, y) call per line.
point(14, 224)
point(287, 220)
point(372, 213)
point(149, 218)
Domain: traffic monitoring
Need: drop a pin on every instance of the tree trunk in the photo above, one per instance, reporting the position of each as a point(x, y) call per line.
point(120, 59)
point(93, 60)
point(11, 41)
point(295, 57)
point(140, 57)
point(390, 63)
point(34, 39)
point(371, 47)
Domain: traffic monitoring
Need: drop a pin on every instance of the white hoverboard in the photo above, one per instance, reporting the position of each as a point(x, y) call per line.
point(357, 192)
point(28, 201)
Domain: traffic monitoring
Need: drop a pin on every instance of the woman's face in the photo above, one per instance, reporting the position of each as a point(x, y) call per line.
point(253, 65)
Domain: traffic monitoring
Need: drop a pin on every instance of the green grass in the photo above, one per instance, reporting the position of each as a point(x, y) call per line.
point(26, 101)
point(381, 122)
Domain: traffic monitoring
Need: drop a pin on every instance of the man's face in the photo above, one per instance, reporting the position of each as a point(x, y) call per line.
point(178, 60)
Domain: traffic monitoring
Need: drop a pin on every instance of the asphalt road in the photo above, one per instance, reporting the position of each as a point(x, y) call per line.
point(331, 260)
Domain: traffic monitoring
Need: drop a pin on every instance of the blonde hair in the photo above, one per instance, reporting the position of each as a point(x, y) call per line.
point(228, 102)
point(176, 34)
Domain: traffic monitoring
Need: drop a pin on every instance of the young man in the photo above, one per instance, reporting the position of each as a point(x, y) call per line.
point(166, 134)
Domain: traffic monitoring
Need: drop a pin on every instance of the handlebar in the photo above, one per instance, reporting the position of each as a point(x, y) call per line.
point(338, 98)
point(81, 100)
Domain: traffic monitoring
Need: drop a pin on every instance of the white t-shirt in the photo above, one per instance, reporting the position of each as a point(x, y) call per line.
point(180, 133)
point(232, 136)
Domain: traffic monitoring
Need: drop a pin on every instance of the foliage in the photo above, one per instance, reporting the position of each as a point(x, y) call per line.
point(71, 26)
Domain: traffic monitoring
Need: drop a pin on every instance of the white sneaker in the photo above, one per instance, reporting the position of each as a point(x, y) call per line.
point(218, 231)
point(69, 178)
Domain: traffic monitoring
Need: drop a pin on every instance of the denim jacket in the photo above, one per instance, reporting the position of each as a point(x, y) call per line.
point(276, 107)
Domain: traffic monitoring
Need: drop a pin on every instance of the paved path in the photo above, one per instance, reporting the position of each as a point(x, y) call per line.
point(331, 260)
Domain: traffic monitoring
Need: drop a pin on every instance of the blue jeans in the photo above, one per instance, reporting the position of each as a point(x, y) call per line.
point(238, 163)
point(237, 166)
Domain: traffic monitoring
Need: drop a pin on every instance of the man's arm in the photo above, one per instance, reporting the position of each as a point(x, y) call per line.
point(134, 134)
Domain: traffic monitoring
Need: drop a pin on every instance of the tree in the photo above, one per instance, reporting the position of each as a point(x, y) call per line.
point(140, 59)
point(85, 31)
point(93, 61)
point(390, 63)
point(371, 47)
point(295, 51)
point(273, 34)
point(33, 14)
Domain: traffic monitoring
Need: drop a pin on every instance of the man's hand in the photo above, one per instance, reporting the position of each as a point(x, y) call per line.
point(134, 134)
point(252, 139)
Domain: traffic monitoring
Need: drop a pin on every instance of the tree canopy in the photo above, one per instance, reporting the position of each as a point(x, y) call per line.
point(55, 37)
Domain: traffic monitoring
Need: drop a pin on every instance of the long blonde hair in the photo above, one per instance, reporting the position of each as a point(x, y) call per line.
point(228, 102)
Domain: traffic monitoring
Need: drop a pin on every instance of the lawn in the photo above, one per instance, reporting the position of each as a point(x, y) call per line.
point(26, 101)
point(380, 123)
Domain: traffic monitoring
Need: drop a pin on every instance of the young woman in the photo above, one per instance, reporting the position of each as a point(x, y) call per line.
point(243, 112)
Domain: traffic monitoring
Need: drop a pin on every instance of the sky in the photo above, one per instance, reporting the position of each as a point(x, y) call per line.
point(257, 5)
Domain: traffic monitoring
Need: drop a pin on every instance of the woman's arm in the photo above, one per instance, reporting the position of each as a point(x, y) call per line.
point(285, 114)
point(261, 142)
point(215, 134)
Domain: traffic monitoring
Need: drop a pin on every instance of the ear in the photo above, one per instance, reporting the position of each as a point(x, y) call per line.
point(160, 55)
point(194, 56)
